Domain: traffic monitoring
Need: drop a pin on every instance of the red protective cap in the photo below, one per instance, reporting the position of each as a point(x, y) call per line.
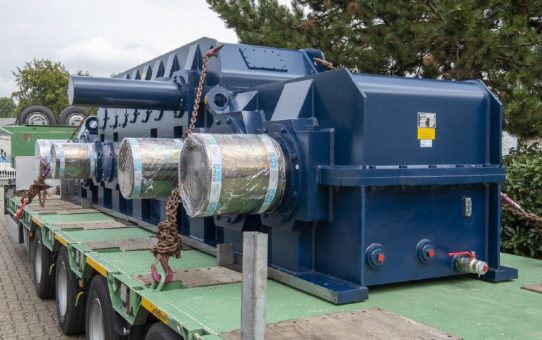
point(431, 252)
point(380, 258)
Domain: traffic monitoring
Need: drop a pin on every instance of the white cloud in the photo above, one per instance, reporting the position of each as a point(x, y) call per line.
point(104, 57)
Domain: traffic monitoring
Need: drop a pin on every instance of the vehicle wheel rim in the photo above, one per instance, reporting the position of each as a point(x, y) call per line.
point(37, 118)
point(96, 321)
point(62, 289)
point(75, 119)
point(37, 261)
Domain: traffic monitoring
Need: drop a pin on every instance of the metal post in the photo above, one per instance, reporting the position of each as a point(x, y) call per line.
point(254, 286)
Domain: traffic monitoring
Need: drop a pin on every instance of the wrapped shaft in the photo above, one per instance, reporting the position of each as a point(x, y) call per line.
point(231, 174)
point(73, 160)
point(147, 167)
point(43, 154)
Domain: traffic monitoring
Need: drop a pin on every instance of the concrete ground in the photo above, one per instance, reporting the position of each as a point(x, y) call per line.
point(23, 315)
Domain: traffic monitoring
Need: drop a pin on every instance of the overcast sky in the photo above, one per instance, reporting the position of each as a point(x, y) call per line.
point(99, 36)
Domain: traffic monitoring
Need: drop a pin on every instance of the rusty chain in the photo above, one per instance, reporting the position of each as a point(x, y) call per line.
point(75, 131)
point(199, 91)
point(169, 242)
point(327, 64)
point(513, 207)
point(38, 188)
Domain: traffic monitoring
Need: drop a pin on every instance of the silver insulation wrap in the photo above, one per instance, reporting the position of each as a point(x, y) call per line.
point(231, 174)
point(147, 167)
point(42, 152)
point(73, 160)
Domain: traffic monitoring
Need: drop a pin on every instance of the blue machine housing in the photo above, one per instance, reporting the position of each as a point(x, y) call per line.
point(386, 176)
point(160, 106)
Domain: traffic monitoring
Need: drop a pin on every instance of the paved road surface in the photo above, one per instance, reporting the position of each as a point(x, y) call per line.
point(23, 315)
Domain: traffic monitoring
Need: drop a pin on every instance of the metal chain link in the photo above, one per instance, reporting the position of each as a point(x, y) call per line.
point(75, 131)
point(327, 64)
point(514, 208)
point(169, 242)
point(199, 91)
point(38, 188)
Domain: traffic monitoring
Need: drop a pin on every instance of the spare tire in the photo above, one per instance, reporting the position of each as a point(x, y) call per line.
point(36, 115)
point(72, 116)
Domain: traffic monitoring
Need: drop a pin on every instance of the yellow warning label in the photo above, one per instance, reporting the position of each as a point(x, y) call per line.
point(151, 307)
point(426, 133)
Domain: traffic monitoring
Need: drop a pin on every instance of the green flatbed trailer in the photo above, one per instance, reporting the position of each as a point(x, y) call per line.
point(20, 140)
point(100, 244)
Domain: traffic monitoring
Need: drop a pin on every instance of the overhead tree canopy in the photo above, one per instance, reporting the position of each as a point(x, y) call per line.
point(7, 107)
point(496, 41)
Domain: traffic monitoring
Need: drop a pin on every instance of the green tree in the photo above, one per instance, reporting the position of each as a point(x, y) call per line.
point(493, 40)
point(42, 82)
point(7, 107)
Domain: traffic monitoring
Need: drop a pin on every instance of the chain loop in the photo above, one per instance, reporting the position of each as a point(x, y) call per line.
point(169, 242)
point(38, 188)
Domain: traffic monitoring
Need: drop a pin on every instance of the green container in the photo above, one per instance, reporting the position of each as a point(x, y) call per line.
point(20, 140)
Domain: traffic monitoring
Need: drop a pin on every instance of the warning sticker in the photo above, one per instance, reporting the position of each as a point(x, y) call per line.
point(427, 124)
point(426, 133)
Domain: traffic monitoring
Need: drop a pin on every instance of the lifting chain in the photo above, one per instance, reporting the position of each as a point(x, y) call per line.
point(169, 242)
point(38, 188)
point(516, 209)
point(327, 64)
point(75, 131)
point(199, 91)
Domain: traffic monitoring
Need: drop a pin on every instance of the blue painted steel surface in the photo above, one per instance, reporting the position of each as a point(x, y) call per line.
point(377, 167)
point(135, 94)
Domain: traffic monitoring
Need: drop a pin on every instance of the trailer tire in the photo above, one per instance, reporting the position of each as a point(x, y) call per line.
point(72, 116)
point(159, 331)
point(43, 259)
point(36, 115)
point(100, 316)
point(71, 318)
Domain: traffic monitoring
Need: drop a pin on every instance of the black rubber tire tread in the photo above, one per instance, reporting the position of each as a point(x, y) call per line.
point(73, 322)
point(67, 112)
point(99, 290)
point(23, 115)
point(46, 286)
point(159, 331)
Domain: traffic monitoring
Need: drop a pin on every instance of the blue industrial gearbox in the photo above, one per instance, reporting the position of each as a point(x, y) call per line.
point(359, 180)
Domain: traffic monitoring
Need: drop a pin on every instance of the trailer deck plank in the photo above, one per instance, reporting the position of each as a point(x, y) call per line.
point(372, 323)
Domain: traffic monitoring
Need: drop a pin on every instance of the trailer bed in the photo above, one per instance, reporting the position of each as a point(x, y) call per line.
point(100, 243)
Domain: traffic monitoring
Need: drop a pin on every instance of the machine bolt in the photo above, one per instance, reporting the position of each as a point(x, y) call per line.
point(375, 255)
point(426, 250)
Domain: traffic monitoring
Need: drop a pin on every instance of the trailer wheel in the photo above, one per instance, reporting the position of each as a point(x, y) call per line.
point(159, 331)
point(43, 259)
point(72, 116)
point(100, 316)
point(36, 115)
point(71, 318)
